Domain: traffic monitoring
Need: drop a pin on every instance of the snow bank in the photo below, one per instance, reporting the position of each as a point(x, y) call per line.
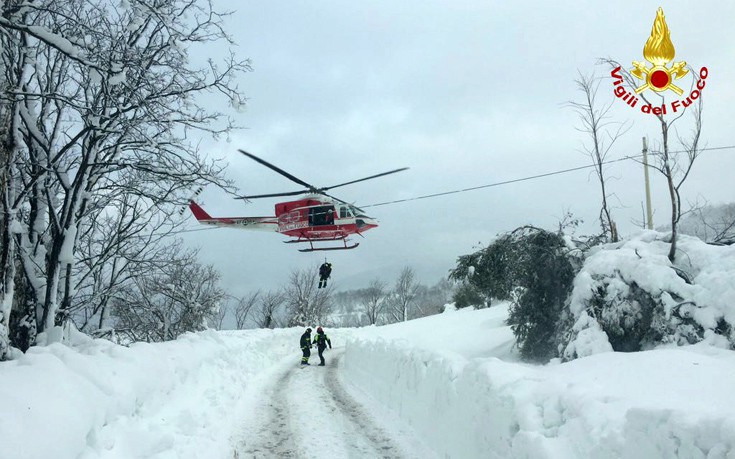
point(175, 399)
point(465, 402)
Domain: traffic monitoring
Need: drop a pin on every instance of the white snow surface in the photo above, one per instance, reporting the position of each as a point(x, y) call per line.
point(446, 386)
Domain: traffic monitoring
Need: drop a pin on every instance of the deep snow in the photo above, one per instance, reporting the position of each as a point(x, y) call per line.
point(707, 297)
point(473, 402)
point(450, 384)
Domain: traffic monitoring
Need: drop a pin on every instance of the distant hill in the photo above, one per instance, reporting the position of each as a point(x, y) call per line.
point(712, 224)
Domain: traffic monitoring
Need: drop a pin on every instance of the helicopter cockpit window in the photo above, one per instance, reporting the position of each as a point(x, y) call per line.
point(345, 212)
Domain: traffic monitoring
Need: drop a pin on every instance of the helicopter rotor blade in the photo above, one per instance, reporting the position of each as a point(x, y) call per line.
point(309, 187)
point(333, 197)
point(279, 170)
point(341, 201)
point(272, 195)
point(363, 179)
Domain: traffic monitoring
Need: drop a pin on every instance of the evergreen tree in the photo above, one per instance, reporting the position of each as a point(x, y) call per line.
point(531, 268)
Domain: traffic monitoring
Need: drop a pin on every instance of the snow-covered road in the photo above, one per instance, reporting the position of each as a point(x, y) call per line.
point(444, 386)
point(307, 412)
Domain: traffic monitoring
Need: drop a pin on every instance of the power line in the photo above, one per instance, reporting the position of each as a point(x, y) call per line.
point(532, 177)
point(193, 230)
point(506, 182)
point(173, 232)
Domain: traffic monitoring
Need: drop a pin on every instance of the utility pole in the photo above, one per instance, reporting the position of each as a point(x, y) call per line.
point(649, 213)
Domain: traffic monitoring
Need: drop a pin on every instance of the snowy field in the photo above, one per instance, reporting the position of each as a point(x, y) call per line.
point(448, 386)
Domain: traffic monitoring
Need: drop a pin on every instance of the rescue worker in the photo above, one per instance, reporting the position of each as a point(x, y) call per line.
point(325, 270)
point(321, 340)
point(306, 346)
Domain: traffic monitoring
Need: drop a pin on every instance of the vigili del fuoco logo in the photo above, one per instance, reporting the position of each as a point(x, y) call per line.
point(659, 51)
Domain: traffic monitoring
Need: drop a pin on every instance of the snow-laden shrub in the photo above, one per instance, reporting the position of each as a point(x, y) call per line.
point(638, 299)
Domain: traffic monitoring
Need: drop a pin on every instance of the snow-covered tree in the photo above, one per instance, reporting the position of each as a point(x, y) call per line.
point(121, 240)
point(431, 300)
point(306, 304)
point(629, 297)
point(490, 271)
point(603, 133)
point(7, 240)
point(243, 307)
point(532, 268)
point(268, 308)
point(714, 224)
point(13, 65)
point(467, 294)
point(373, 301)
point(103, 100)
point(674, 164)
point(177, 295)
point(401, 301)
point(217, 317)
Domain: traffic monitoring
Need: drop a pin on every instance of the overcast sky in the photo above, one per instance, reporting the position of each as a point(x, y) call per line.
point(465, 93)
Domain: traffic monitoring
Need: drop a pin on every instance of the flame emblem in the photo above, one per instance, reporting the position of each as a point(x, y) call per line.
point(659, 51)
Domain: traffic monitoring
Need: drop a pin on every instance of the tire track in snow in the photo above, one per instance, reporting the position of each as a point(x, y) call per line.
point(273, 437)
point(307, 413)
point(381, 442)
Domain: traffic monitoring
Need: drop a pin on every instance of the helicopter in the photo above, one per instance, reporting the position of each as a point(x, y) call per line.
point(314, 218)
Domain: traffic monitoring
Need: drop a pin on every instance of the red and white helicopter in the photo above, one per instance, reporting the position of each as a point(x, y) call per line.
point(316, 217)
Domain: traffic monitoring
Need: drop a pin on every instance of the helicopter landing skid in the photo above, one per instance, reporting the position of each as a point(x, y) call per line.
point(321, 249)
point(311, 242)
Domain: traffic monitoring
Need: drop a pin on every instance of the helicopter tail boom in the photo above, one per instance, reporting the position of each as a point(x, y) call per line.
point(251, 223)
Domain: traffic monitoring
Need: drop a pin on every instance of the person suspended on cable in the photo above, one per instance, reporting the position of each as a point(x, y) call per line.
point(325, 270)
point(306, 346)
point(321, 340)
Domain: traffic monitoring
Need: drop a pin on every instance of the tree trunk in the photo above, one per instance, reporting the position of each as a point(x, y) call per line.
point(672, 190)
point(50, 305)
point(7, 241)
point(7, 265)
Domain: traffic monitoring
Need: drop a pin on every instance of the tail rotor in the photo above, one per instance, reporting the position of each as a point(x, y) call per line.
point(193, 196)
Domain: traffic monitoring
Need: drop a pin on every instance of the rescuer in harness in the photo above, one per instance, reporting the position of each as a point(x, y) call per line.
point(321, 340)
point(325, 270)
